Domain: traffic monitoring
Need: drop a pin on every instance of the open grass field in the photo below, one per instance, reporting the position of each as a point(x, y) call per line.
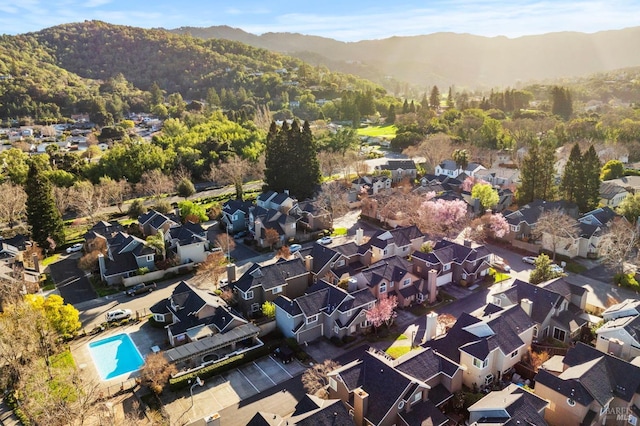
point(388, 131)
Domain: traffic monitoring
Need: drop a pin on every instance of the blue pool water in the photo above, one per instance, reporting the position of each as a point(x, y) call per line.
point(115, 356)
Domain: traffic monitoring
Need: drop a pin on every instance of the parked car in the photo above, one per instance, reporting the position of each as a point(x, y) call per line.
point(223, 282)
point(325, 240)
point(295, 247)
point(531, 260)
point(284, 354)
point(557, 269)
point(140, 288)
point(118, 314)
point(501, 265)
point(74, 248)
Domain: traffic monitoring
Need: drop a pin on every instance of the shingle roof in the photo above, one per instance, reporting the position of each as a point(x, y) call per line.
point(313, 411)
point(543, 299)
point(424, 413)
point(427, 364)
point(392, 269)
point(399, 164)
point(270, 276)
point(322, 255)
point(522, 407)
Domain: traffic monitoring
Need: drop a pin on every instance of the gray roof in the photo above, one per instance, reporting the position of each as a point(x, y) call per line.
point(314, 411)
point(427, 364)
point(521, 406)
point(530, 213)
point(543, 299)
point(424, 413)
point(270, 276)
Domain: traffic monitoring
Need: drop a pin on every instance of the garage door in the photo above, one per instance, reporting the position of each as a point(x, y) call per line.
point(310, 334)
point(443, 279)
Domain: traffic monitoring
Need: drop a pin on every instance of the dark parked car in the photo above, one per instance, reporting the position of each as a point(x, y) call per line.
point(140, 288)
point(284, 354)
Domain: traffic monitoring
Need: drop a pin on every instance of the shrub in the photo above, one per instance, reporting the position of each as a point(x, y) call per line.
point(626, 280)
point(136, 209)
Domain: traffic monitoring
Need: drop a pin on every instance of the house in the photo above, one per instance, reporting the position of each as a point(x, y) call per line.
point(487, 347)
point(261, 219)
point(499, 176)
point(555, 308)
point(260, 284)
point(406, 391)
point(235, 215)
point(189, 242)
point(396, 242)
point(522, 221)
point(630, 183)
point(191, 314)
point(276, 201)
point(619, 335)
point(310, 411)
point(324, 310)
point(393, 277)
point(125, 256)
point(593, 388)
point(512, 405)
point(451, 169)
point(598, 217)
point(371, 184)
point(312, 216)
point(400, 169)
point(337, 263)
point(454, 263)
point(611, 195)
point(152, 221)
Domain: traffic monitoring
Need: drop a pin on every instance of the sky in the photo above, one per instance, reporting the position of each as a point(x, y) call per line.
point(345, 20)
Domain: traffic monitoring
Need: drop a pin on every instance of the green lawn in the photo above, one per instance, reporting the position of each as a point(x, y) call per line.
point(388, 131)
point(396, 352)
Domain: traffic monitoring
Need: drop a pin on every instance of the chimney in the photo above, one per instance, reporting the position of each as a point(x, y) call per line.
point(527, 306)
point(615, 348)
point(432, 285)
point(359, 236)
point(231, 272)
point(360, 406)
point(286, 191)
point(308, 262)
point(467, 243)
point(101, 264)
point(432, 326)
point(36, 262)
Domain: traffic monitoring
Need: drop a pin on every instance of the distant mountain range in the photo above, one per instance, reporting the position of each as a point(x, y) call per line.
point(446, 59)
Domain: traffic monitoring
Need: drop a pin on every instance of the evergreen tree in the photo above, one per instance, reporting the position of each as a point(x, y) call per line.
point(562, 104)
point(291, 161)
point(591, 180)
point(391, 115)
point(405, 107)
point(42, 215)
point(537, 173)
point(450, 103)
point(157, 97)
point(572, 178)
point(434, 98)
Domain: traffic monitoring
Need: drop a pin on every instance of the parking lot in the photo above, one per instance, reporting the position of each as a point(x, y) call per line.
point(235, 386)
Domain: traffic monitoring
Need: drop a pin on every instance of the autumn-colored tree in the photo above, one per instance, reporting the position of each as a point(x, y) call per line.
point(210, 271)
point(316, 378)
point(444, 322)
point(156, 372)
point(538, 358)
point(271, 237)
point(94, 247)
point(284, 252)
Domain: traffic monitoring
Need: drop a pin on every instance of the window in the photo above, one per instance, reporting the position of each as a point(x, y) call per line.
point(570, 402)
point(248, 295)
point(632, 420)
point(514, 354)
point(406, 282)
point(559, 334)
point(604, 408)
point(515, 228)
point(255, 307)
point(277, 290)
point(150, 258)
point(385, 252)
point(464, 276)
point(383, 288)
point(417, 397)
point(391, 284)
point(535, 331)
point(340, 263)
point(234, 217)
point(480, 363)
point(365, 324)
point(446, 267)
point(333, 384)
point(312, 319)
point(488, 379)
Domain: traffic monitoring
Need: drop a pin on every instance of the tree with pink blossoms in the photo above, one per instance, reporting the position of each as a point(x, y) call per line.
point(382, 312)
point(441, 217)
point(490, 225)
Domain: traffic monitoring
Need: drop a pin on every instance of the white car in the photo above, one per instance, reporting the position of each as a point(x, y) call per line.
point(118, 314)
point(74, 248)
point(531, 260)
point(295, 248)
point(325, 240)
point(557, 269)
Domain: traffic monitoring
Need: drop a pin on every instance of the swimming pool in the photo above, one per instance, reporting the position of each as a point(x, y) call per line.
point(115, 356)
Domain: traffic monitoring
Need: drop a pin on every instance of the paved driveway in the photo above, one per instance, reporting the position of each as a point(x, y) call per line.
point(70, 280)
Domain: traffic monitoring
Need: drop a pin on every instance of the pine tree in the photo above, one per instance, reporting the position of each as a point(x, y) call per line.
point(450, 103)
point(537, 173)
point(591, 180)
point(391, 115)
point(43, 217)
point(434, 98)
point(572, 178)
point(405, 107)
point(562, 104)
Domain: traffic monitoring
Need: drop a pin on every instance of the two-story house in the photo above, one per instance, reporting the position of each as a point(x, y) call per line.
point(337, 263)
point(280, 201)
point(260, 284)
point(371, 184)
point(499, 176)
point(512, 405)
point(392, 277)
point(310, 411)
point(400, 169)
point(522, 221)
point(451, 169)
point(488, 347)
point(619, 335)
point(556, 308)
point(189, 242)
point(593, 388)
point(152, 221)
point(261, 219)
point(324, 310)
point(235, 215)
point(311, 216)
point(611, 195)
point(126, 255)
point(455, 263)
point(395, 242)
point(406, 391)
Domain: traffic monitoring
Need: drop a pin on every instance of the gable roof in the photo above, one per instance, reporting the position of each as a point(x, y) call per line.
point(392, 269)
point(520, 407)
point(609, 190)
point(270, 276)
point(530, 213)
point(543, 299)
point(399, 164)
point(401, 236)
point(233, 206)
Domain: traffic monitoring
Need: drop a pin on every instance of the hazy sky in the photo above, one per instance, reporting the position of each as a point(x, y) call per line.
point(347, 20)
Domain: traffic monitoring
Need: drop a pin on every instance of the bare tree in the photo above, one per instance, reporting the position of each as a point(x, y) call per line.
point(433, 149)
point(555, 228)
point(154, 183)
point(62, 198)
point(209, 272)
point(262, 118)
point(619, 245)
point(234, 172)
point(333, 197)
point(226, 243)
point(329, 162)
point(87, 199)
point(13, 205)
point(156, 372)
point(114, 191)
point(316, 378)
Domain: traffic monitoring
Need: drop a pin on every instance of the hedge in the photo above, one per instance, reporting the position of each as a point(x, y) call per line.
point(182, 382)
